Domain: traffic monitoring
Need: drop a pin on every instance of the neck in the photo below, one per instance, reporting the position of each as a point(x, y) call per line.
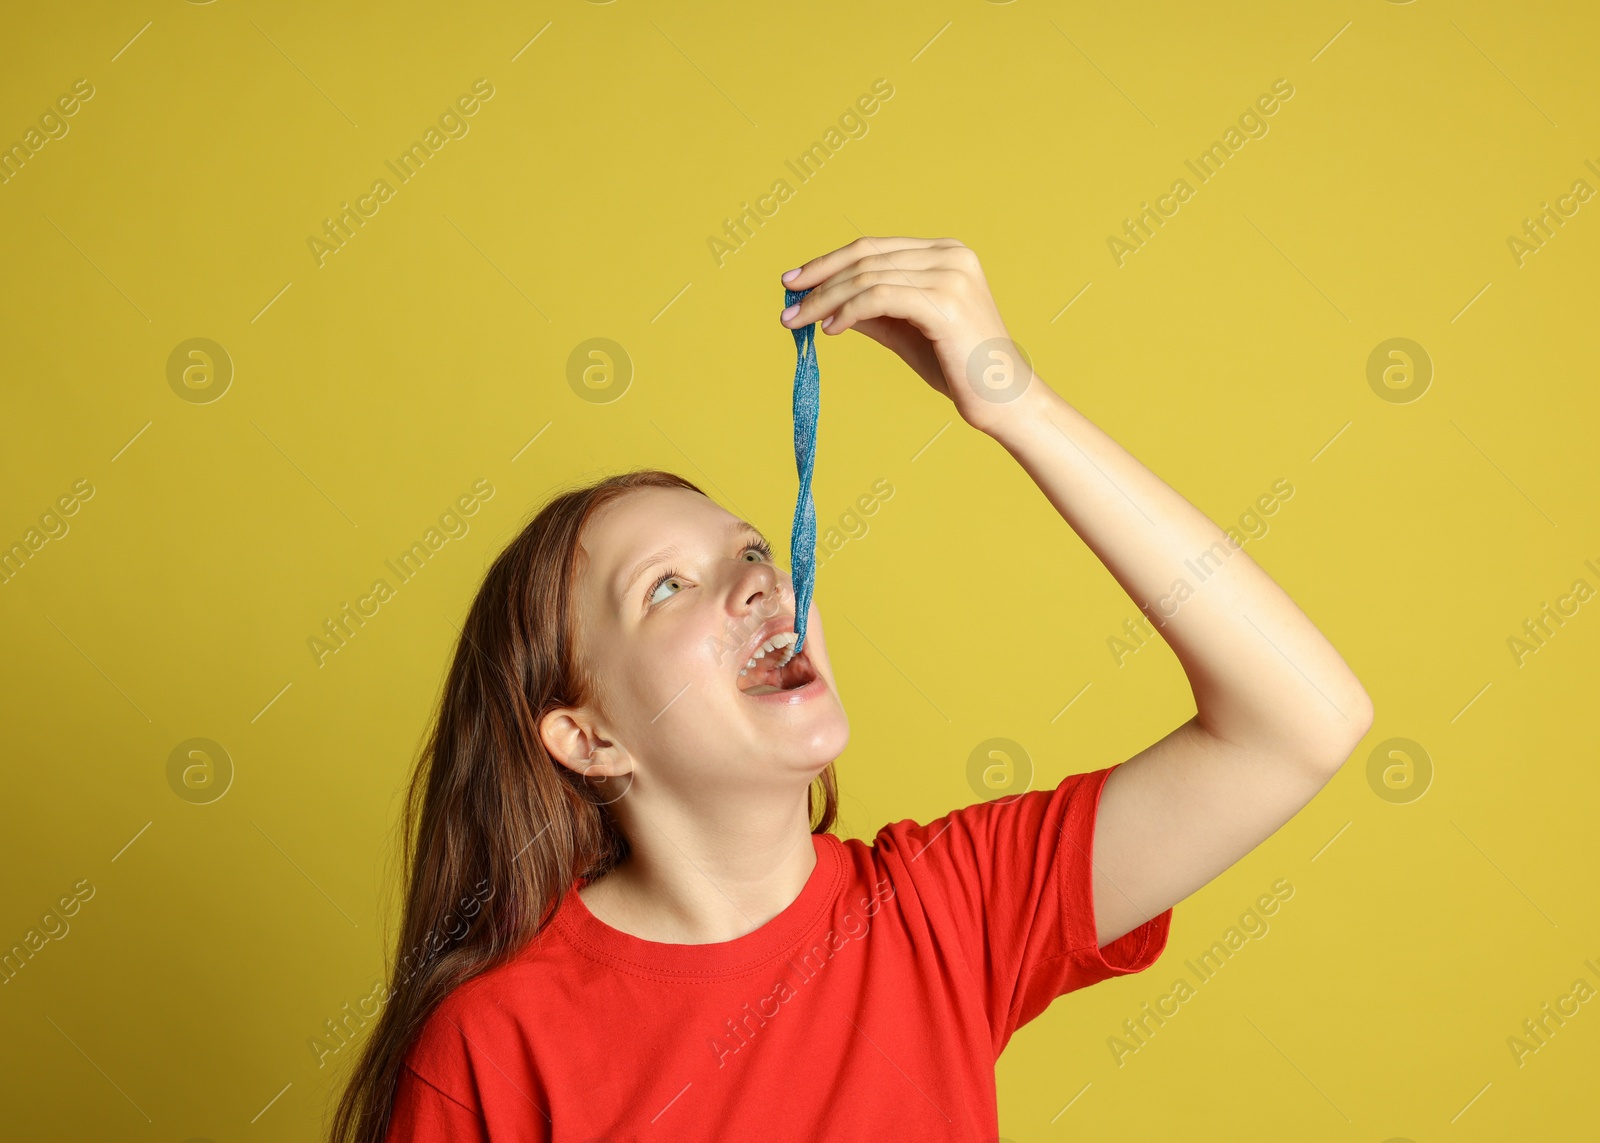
point(694, 879)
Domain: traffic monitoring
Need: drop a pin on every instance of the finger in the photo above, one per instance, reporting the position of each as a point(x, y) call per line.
point(883, 300)
point(893, 263)
point(827, 264)
point(828, 299)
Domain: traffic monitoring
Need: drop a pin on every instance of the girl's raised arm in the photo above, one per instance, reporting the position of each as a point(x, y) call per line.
point(1278, 709)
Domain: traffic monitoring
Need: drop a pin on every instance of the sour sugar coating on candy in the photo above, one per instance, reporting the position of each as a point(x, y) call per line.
point(803, 536)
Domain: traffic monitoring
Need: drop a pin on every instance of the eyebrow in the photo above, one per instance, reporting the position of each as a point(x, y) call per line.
point(737, 527)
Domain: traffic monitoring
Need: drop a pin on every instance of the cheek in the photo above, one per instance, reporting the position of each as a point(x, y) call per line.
point(695, 652)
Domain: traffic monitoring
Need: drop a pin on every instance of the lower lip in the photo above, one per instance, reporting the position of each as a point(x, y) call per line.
point(788, 698)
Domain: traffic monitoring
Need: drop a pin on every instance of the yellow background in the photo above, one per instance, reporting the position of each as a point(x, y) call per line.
point(371, 391)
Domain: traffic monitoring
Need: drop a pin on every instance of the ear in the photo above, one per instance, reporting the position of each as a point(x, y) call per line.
point(574, 740)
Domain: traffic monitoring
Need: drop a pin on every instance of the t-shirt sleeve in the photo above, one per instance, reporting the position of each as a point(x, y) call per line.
point(424, 1113)
point(465, 1082)
point(1006, 888)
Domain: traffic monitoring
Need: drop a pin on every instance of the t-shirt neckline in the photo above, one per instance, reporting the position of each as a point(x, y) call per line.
point(719, 960)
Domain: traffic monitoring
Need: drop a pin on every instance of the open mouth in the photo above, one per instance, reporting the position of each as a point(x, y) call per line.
point(768, 679)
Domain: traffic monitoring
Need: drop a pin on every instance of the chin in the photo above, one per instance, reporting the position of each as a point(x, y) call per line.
point(827, 741)
point(804, 743)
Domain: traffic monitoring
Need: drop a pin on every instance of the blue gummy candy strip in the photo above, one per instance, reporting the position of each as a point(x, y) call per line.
point(803, 536)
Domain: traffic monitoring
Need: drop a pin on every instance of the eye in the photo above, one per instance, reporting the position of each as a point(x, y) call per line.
point(668, 578)
point(759, 548)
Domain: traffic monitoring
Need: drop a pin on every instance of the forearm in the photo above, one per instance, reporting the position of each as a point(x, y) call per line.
point(1263, 676)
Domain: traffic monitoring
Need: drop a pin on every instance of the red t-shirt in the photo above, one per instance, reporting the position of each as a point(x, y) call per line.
point(873, 1007)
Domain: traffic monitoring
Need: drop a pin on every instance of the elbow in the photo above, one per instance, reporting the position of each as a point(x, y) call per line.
point(1341, 737)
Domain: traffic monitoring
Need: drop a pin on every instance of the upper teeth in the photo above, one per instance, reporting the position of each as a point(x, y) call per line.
point(779, 642)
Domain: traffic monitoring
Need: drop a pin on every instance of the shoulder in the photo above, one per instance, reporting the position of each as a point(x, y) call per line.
point(501, 1004)
point(984, 864)
point(1069, 806)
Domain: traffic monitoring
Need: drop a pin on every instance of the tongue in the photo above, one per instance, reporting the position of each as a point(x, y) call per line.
point(771, 677)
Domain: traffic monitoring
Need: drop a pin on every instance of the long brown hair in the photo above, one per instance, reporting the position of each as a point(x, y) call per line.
point(484, 790)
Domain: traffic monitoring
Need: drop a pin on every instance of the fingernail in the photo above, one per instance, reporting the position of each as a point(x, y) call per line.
point(827, 321)
point(788, 275)
point(790, 312)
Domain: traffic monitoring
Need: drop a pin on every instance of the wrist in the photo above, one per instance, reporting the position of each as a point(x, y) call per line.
point(1007, 422)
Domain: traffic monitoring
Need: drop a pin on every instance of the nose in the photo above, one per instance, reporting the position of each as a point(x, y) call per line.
point(761, 594)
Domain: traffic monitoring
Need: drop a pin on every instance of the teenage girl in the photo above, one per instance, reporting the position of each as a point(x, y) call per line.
point(625, 916)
